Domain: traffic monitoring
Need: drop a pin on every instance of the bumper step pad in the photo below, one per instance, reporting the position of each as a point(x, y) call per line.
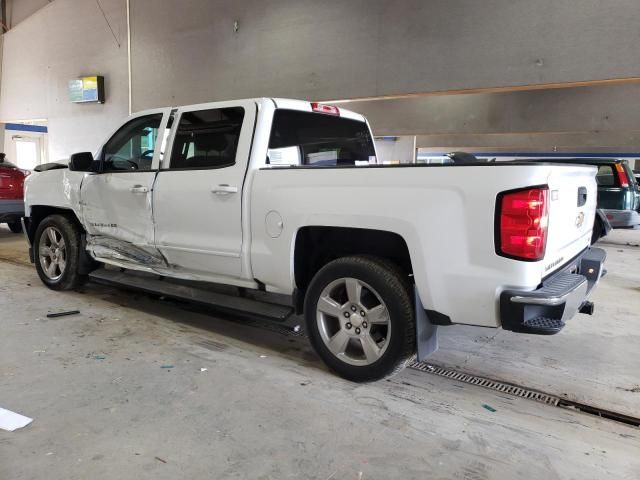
point(544, 311)
point(543, 325)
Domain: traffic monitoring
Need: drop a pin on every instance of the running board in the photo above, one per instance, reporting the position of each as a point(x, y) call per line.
point(167, 288)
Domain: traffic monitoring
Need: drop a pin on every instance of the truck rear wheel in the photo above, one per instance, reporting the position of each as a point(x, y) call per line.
point(360, 318)
point(56, 249)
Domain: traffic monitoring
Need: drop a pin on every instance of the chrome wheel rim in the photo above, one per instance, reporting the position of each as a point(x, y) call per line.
point(52, 251)
point(353, 321)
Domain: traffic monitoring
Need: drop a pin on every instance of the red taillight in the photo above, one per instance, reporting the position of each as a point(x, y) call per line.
point(328, 109)
point(523, 218)
point(623, 180)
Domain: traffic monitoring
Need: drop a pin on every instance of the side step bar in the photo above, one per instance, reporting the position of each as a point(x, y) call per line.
point(196, 294)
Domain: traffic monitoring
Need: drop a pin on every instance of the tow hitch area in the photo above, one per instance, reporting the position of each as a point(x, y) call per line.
point(545, 310)
point(587, 308)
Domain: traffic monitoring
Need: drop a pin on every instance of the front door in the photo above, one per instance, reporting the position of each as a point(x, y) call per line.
point(117, 201)
point(197, 199)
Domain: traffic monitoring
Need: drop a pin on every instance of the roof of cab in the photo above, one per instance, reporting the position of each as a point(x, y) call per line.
point(284, 103)
point(303, 105)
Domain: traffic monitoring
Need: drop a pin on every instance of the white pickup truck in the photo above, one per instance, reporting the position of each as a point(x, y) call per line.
point(243, 200)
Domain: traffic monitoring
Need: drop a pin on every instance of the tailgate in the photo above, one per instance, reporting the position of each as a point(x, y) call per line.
point(572, 206)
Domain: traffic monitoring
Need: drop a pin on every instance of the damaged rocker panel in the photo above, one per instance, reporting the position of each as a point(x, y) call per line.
point(122, 252)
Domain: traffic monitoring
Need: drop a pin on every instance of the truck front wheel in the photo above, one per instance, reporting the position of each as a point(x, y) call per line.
point(57, 253)
point(360, 318)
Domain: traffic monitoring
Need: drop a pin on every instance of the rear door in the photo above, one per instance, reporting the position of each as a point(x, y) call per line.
point(572, 205)
point(197, 199)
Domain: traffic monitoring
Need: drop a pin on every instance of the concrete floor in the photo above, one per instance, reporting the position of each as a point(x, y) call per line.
point(266, 408)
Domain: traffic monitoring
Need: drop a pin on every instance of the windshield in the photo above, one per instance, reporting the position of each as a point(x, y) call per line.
point(304, 138)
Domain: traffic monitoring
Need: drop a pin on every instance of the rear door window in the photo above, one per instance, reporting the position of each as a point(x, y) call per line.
point(207, 139)
point(305, 138)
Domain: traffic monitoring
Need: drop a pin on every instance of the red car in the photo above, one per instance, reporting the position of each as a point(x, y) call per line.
point(12, 195)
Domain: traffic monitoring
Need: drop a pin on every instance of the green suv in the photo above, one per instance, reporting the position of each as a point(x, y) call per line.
point(618, 192)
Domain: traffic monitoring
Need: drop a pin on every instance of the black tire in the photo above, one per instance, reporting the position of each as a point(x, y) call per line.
point(15, 227)
point(71, 233)
point(392, 287)
point(597, 231)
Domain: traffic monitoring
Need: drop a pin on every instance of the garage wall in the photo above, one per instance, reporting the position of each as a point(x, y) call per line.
point(586, 119)
point(65, 40)
point(584, 109)
point(189, 51)
point(359, 48)
point(19, 10)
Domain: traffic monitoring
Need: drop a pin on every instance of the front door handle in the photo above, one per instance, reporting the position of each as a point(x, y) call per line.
point(224, 189)
point(139, 189)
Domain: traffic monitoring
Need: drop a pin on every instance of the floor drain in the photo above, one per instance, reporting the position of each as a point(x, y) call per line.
point(523, 392)
point(487, 383)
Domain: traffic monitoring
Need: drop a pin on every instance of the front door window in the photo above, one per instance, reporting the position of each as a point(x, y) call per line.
point(131, 148)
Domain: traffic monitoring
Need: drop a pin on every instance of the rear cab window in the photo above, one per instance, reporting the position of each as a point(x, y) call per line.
point(320, 140)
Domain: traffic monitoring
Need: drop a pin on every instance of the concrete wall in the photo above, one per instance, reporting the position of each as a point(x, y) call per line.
point(597, 119)
point(189, 51)
point(65, 40)
point(19, 10)
point(338, 49)
point(584, 109)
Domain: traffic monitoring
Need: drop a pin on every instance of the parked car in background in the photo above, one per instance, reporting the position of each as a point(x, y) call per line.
point(618, 190)
point(636, 173)
point(11, 195)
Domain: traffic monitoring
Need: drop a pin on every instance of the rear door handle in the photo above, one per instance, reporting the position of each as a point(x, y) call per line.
point(139, 189)
point(224, 189)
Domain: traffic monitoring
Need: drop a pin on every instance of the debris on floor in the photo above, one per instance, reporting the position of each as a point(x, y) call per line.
point(63, 314)
point(166, 366)
point(11, 421)
point(488, 407)
point(204, 369)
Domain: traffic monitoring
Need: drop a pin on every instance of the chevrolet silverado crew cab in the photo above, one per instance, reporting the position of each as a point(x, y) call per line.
point(276, 206)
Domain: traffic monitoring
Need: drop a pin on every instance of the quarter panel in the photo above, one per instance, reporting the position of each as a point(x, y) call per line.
point(444, 214)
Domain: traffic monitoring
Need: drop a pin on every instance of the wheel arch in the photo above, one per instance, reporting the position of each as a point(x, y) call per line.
point(315, 246)
point(40, 212)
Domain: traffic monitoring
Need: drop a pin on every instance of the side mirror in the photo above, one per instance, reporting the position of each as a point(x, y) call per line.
point(81, 162)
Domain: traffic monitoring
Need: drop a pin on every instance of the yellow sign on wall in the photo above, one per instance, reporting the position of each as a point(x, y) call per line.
point(88, 89)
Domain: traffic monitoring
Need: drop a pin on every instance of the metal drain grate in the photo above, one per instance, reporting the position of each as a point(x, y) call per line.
point(525, 393)
point(487, 383)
